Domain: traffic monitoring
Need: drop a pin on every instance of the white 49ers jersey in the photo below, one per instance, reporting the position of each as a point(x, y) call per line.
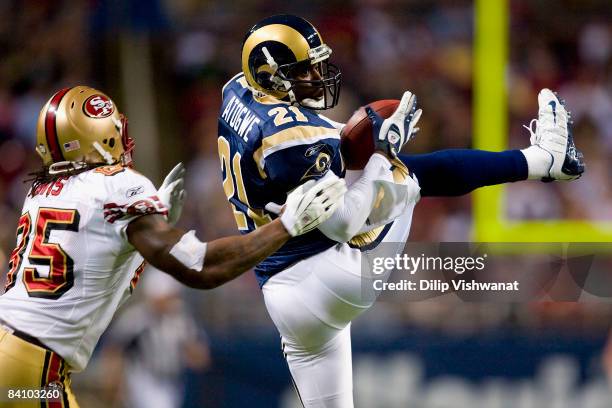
point(73, 266)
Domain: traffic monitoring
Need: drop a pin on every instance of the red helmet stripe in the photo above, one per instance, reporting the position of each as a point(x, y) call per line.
point(50, 126)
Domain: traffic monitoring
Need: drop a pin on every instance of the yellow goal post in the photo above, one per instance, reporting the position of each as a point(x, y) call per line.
point(490, 224)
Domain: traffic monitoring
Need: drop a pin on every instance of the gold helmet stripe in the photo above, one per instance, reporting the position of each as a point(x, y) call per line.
point(50, 126)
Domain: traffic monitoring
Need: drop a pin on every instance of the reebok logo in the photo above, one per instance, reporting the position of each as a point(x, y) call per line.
point(134, 191)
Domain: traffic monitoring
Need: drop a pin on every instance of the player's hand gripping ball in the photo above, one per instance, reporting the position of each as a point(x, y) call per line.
point(356, 142)
point(356, 138)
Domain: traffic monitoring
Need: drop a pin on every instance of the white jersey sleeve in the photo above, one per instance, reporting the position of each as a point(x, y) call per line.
point(130, 196)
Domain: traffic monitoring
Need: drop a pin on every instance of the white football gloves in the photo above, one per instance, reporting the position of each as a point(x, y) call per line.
point(391, 134)
point(172, 193)
point(306, 207)
point(310, 204)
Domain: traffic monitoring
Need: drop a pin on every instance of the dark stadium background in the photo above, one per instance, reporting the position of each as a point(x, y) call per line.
point(164, 63)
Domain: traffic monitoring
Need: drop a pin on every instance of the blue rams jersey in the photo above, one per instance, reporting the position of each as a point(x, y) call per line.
point(267, 148)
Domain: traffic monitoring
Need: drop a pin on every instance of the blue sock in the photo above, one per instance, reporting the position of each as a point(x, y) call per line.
point(456, 172)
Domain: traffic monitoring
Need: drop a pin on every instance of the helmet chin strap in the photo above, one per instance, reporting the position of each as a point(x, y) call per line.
point(105, 155)
point(65, 166)
point(284, 86)
point(68, 166)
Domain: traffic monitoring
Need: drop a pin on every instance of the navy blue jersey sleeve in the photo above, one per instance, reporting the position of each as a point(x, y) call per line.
point(301, 153)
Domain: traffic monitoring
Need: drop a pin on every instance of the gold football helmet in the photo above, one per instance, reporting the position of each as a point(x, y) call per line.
point(80, 127)
point(277, 48)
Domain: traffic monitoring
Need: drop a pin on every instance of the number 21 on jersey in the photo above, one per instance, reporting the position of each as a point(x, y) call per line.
point(233, 185)
point(43, 253)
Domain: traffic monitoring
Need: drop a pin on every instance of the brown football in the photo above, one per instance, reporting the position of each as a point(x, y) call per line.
point(356, 140)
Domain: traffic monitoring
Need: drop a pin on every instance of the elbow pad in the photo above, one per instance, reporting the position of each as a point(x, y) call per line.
point(190, 251)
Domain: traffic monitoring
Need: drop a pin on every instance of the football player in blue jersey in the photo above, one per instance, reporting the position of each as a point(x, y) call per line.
point(272, 138)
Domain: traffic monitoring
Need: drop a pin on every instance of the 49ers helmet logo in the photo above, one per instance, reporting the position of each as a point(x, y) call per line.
point(98, 106)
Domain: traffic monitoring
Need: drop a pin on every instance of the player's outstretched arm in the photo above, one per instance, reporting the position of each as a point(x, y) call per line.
point(208, 265)
point(222, 259)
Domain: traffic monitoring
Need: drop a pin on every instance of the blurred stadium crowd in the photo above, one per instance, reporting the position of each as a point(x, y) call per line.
point(382, 48)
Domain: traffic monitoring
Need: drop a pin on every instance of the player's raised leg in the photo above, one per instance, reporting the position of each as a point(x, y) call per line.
point(551, 156)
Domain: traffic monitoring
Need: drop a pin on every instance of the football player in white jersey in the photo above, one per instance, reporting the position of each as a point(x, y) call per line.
point(88, 225)
point(272, 133)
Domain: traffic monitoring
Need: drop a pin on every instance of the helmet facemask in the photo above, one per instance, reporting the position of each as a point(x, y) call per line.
point(284, 78)
point(127, 158)
point(330, 84)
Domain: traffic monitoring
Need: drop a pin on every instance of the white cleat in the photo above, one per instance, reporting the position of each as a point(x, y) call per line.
point(553, 134)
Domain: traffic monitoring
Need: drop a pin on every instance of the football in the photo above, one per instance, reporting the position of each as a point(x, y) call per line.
point(356, 141)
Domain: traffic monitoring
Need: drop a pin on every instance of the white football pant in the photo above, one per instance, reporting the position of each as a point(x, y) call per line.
point(312, 303)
